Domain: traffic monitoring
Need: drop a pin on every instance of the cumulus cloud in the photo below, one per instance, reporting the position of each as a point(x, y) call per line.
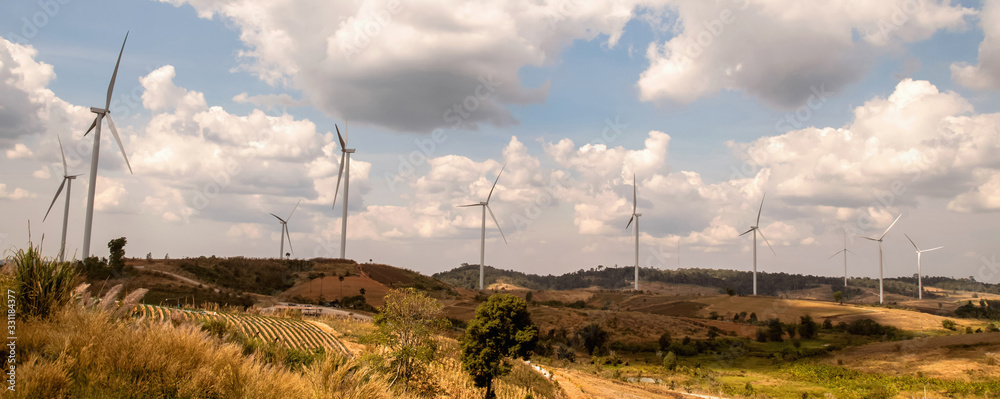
point(15, 194)
point(20, 151)
point(986, 74)
point(985, 197)
point(782, 51)
point(27, 106)
point(412, 66)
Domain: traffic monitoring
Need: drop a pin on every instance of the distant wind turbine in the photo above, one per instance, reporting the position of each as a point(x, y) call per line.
point(879, 241)
point(345, 173)
point(482, 244)
point(635, 193)
point(96, 127)
point(285, 232)
point(845, 251)
point(755, 229)
point(920, 275)
point(68, 183)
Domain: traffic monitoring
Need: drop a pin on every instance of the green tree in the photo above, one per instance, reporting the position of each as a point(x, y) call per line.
point(502, 328)
point(117, 258)
point(838, 297)
point(405, 326)
point(593, 336)
point(807, 327)
point(664, 341)
point(774, 330)
point(949, 324)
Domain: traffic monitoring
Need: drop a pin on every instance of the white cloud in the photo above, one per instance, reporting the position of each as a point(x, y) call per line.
point(245, 231)
point(42, 173)
point(782, 51)
point(110, 194)
point(983, 198)
point(18, 193)
point(20, 151)
point(986, 74)
point(407, 66)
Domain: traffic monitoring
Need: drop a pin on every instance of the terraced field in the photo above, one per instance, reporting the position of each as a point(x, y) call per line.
point(291, 332)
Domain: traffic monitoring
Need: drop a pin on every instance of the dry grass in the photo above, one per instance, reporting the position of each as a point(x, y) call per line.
point(966, 357)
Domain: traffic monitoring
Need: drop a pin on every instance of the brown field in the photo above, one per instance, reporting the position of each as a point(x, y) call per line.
point(331, 288)
point(964, 357)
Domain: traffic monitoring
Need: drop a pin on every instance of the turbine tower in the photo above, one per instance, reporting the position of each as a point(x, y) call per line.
point(635, 193)
point(920, 275)
point(755, 229)
point(879, 241)
point(345, 173)
point(285, 232)
point(96, 127)
point(482, 243)
point(68, 183)
point(845, 251)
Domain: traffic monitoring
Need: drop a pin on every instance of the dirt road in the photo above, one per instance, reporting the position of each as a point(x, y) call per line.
point(581, 385)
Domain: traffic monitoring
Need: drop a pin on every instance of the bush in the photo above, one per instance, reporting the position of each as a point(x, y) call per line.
point(664, 341)
point(594, 337)
point(42, 285)
point(807, 327)
point(827, 324)
point(871, 328)
point(948, 324)
point(670, 361)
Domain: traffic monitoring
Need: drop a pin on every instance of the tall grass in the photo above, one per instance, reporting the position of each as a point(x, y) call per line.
point(42, 285)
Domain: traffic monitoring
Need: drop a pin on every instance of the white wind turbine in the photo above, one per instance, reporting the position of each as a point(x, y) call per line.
point(845, 251)
point(879, 241)
point(755, 229)
point(482, 243)
point(96, 127)
point(920, 275)
point(345, 173)
point(285, 232)
point(635, 216)
point(68, 183)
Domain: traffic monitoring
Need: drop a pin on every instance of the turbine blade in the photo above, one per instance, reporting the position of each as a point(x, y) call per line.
point(59, 191)
point(462, 206)
point(890, 226)
point(114, 131)
point(629, 221)
point(850, 252)
point(745, 232)
point(92, 126)
point(497, 223)
point(280, 219)
point(288, 234)
point(835, 254)
point(111, 87)
point(343, 145)
point(495, 183)
point(293, 211)
point(932, 249)
point(340, 175)
point(760, 209)
point(63, 153)
point(911, 242)
point(765, 241)
point(869, 238)
point(635, 193)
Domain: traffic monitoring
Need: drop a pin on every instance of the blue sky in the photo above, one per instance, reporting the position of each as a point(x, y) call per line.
point(902, 112)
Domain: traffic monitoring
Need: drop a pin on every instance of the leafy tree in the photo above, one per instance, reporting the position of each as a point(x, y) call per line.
point(502, 328)
point(670, 361)
point(838, 297)
point(827, 324)
point(664, 341)
point(761, 335)
point(730, 291)
point(362, 291)
point(807, 327)
point(528, 297)
point(753, 318)
point(774, 330)
point(949, 324)
point(117, 258)
point(593, 336)
point(405, 326)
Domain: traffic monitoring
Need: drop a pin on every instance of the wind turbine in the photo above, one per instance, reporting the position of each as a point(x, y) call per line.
point(96, 127)
point(284, 231)
point(920, 284)
point(482, 244)
point(756, 228)
point(635, 193)
point(345, 166)
point(879, 240)
point(845, 251)
point(68, 183)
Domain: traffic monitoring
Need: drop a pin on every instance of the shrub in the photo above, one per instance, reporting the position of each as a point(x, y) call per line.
point(948, 324)
point(594, 337)
point(42, 285)
point(664, 341)
point(670, 361)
